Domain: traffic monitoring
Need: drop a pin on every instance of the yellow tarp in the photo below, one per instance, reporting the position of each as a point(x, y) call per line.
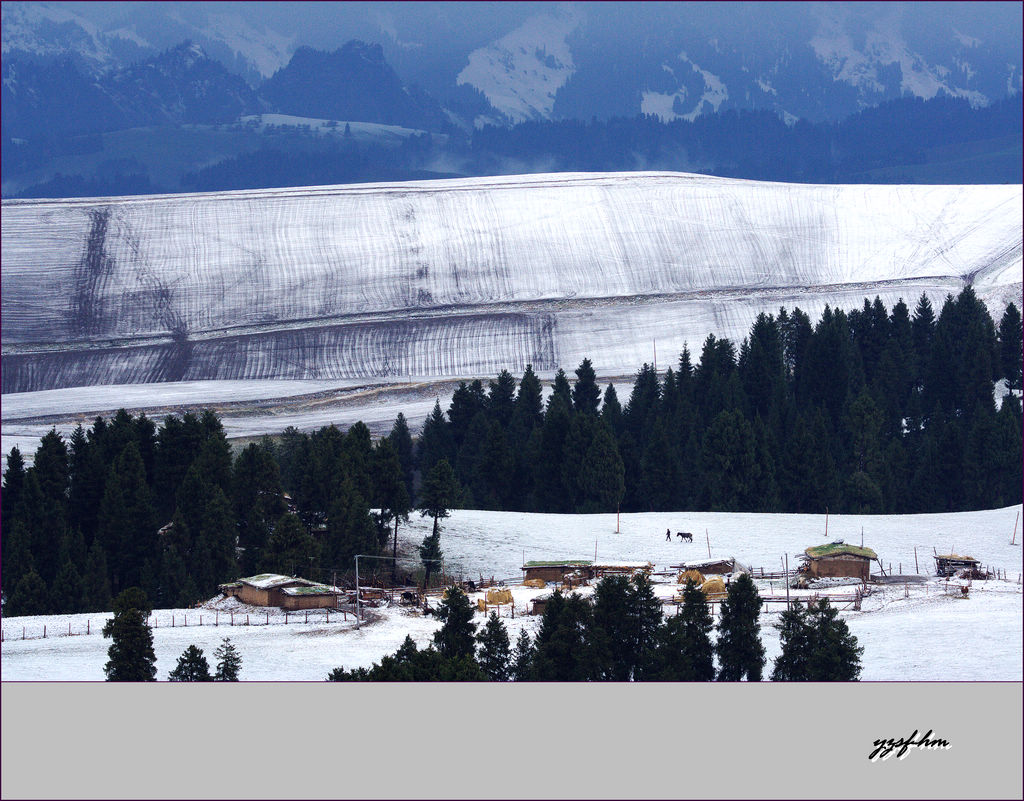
point(537, 584)
point(502, 595)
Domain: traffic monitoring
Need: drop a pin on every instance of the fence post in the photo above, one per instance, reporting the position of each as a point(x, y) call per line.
point(232, 618)
point(307, 615)
point(87, 626)
point(172, 621)
point(268, 618)
point(247, 620)
point(44, 632)
point(328, 615)
point(23, 632)
point(200, 620)
point(69, 628)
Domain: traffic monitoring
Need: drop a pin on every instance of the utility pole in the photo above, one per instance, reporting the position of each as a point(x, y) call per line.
point(708, 538)
point(787, 582)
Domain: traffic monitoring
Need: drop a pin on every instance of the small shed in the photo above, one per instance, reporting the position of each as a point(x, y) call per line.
point(713, 567)
point(839, 559)
point(286, 592)
point(554, 570)
point(951, 564)
point(313, 596)
point(539, 604)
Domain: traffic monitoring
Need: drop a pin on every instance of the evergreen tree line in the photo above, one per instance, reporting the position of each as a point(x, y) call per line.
point(622, 635)
point(864, 412)
point(170, 511)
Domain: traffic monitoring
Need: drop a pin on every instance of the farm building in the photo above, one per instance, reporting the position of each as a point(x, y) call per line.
point(714, 567)
point(951, 564)
point(286, 592)
point(839, 559)
point(558, 570)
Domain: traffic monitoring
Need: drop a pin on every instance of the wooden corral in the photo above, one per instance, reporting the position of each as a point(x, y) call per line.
point(951, 564)
point(839, 559)
point(539, 604)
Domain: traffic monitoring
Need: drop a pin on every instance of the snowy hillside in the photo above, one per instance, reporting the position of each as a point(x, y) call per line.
point(469, 276)
point(908, 633)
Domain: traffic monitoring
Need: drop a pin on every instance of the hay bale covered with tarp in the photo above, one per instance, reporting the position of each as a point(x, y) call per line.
point(499, 595)
point(691, 575)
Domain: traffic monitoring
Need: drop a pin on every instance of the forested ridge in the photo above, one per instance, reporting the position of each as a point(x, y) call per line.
point(869, 411)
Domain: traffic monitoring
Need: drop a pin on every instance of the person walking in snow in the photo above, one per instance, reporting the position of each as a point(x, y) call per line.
point(668, 535)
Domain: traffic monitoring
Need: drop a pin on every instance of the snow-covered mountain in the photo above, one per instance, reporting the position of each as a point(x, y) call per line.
point(578, 60)
point(466, 277)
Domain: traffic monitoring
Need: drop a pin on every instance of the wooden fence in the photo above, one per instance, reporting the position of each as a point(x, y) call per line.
point(188, 620)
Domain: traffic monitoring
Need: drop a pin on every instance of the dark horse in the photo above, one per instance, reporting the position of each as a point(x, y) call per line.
point(684, 535)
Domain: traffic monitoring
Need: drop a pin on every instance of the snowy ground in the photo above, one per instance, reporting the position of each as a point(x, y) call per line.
point(915, 632)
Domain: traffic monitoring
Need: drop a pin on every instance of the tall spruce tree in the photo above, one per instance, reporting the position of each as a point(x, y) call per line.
point(739, 648)
point(684, 650)
point(522, 657)
point(229, 661)
point(586, 395)
point(131, 656)
point(457, 634)
point(192, 666)
point(1010, 353)
point(494, 654)
point(816, 646)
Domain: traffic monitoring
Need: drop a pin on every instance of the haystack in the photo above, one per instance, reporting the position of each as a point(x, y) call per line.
point(501, 595)
point(713, 586)
point(690, 575)
point(537, 584)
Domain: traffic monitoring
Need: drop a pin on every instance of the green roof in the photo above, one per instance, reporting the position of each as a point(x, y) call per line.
point(839, 548)
point(560, 563)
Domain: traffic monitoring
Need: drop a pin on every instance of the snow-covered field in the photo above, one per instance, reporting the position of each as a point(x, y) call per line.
point(309, 303)
point(910, 633)
point(466, 276)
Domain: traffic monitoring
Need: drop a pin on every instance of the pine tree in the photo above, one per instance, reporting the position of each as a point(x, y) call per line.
point(435, 442)
point(739, 648)
point(795, 637)
point(67, 590)
point(611, 632)
point(229, 661)
point(835, 655)
point(96, 580)
point(501, 399)
point(192, 666)
point(522, 657)
point(392, 497)
point(16, 553)
point(602, 476)
point(684, 649)
point(529, 401)
point(611, 410)
point(560, 389)
point(439, 493)
point(289, 547)
point(563, 648)
point(729, 464)
point(256, 500)
point(816, 646)
point(14, 482)
point(431, 554)
point(456, 636)
point(585, 394)
point(494, 655)
point(1010, 353)
point(401, 440)
point(29, 597)
point(131, 655)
